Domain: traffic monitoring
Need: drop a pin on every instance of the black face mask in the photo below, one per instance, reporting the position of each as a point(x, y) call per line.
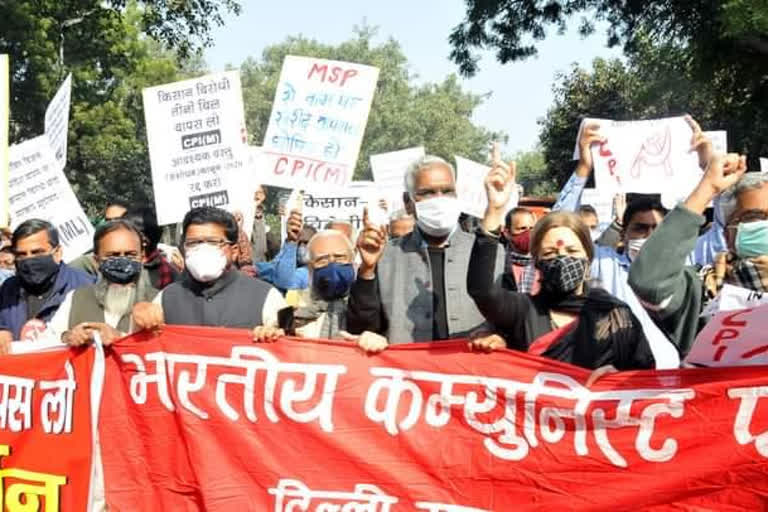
point(38, 273)
point(120, 270)
point(562, 275)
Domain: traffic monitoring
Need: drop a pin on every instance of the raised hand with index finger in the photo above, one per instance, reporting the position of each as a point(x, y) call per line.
point(499, 184)
point(370, 245)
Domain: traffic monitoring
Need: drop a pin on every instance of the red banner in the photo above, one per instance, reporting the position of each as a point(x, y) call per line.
point(45, 430)
point(203, 419)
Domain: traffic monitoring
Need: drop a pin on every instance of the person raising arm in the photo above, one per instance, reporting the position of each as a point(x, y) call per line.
point(567, 320)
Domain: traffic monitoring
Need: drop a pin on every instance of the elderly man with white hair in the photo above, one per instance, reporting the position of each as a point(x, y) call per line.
point(323, 309)
point(413, 288)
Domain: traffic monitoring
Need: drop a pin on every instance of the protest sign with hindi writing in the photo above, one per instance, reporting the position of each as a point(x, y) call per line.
point(647, 157)
point(470, 187)
point(46, 432)
point(344, 204)
point(204, 419)
point(195, 133)
point(38, 189)
point(57, 121)
point(733, 338)
point(389, 174)
point(317, 123)
point(4, 117)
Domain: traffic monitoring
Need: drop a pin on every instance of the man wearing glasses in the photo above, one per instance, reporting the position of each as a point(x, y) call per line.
point(212, 292)
point(41, 282)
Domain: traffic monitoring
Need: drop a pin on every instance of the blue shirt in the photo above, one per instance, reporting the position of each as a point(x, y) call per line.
point(283, 271)
point(569, 199)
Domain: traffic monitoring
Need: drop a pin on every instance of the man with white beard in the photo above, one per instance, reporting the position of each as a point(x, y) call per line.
point(105, 307)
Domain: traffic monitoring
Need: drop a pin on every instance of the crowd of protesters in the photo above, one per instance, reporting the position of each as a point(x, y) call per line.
point(629, 297)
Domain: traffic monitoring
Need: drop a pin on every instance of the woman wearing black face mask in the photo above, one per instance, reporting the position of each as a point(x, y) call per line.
point(567, 320)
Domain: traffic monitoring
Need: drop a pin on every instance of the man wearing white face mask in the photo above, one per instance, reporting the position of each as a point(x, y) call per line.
point(212, 291)
point(414, 287)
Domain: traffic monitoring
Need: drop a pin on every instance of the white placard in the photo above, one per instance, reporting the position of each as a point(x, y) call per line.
point(602, 203)
point(39, 190)
point(470, 188)
point(346, 204)
point(57, 121)
point(389, 174)
point(764, 165)
point(317, 123)
point(732, 298)
point(196, 138)
point(647, 157)
point(719, 140)
point(733, 338)
point(4, 115)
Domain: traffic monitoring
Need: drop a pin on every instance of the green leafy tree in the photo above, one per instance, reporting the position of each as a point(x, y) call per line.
point(105, 45)
point(532, 173)
point(437, 116)
point(46, 39)
point(717, 29)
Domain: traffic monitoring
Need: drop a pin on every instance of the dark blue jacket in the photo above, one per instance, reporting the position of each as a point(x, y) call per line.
point(13, 306)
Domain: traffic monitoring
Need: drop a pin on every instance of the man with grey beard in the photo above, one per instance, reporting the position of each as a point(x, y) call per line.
point(105, 307)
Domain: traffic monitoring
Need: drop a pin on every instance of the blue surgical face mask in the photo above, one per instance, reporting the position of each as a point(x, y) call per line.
point(752, 239)
point(333, 281)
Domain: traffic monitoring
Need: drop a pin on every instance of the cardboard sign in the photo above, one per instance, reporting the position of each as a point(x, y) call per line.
point(4, 115)
point(57, 121)
point(317, 123)
point(733, 338)
point(470, 188)
point(389, 174)
point(196, 132)
point(647, 157)
point(38, 189)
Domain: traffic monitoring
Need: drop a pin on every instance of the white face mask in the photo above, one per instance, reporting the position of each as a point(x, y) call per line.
point(206, 262)
point(438, 216)
point(595, 234)
point(634, 246)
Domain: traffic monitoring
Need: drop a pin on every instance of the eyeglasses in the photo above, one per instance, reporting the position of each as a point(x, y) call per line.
point(217, 242)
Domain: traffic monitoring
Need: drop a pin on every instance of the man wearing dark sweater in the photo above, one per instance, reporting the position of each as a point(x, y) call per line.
point(213, 291)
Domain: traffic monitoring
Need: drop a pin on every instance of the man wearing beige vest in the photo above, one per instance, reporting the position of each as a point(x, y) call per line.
point(105, 307)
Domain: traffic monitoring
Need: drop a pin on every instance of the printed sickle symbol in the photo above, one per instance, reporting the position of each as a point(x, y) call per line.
point(654, 153)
